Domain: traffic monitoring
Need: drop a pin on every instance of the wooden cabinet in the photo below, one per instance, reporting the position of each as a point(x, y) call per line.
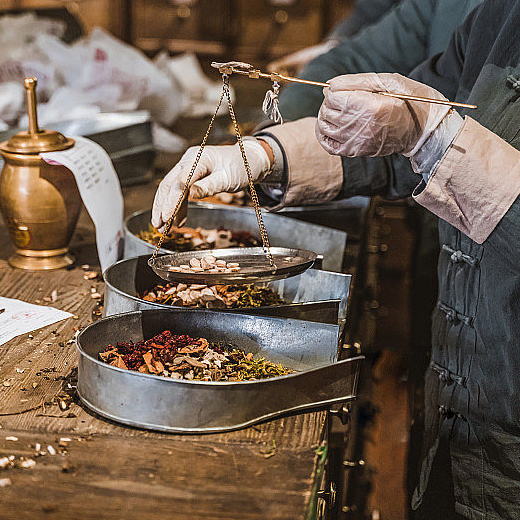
point(247, 30)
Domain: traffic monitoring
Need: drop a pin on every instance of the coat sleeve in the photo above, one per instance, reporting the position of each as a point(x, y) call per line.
point(364, 14)
point(476, 188)
point(392, 177)
point(396, 43)
point(475, 183)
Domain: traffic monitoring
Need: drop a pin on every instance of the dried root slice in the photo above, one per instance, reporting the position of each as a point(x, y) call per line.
point(208, 264)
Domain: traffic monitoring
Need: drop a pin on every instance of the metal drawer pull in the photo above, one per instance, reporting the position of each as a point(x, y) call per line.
point(329, 497)
point(353, 463)
point(343, 413)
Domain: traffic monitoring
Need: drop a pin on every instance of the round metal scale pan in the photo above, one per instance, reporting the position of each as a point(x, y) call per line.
point(314, 295)
point(328, 243)
point(254, 265)
point(164, 404)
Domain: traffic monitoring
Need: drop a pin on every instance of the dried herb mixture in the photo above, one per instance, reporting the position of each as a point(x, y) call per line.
point(184, 357)
point(212, 297)
point(190, 239)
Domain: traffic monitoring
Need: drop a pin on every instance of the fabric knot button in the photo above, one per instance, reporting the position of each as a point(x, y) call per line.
point(451, 316)
point(513, 82)
point(446, 411)
point(457, 257)
point(444, 376)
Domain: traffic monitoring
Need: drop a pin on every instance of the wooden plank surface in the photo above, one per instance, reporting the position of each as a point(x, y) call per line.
point(105, 477)
point(266, 471)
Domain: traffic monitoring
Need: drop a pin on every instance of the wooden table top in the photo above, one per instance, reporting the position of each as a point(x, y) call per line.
point(110, 471)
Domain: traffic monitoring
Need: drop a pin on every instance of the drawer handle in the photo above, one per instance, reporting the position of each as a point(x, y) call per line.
point(329, 497)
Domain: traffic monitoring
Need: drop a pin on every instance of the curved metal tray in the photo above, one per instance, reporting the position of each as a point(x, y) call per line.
point(160, 403)
point(314, 295)
point(328, 243)
point(254, 265)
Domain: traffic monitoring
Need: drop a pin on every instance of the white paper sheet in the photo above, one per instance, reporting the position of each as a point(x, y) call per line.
point(18, 317)
point(100, 190)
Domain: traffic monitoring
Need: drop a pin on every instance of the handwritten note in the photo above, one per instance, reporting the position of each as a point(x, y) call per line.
point(100, 190)
point(17, 317)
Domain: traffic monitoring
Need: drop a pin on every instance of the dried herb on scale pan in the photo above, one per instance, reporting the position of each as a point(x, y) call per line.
point(191, 239)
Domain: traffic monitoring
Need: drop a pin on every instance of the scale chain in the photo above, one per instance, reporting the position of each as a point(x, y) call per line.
point(186, 188)
point(254, 197)
point(263, 232)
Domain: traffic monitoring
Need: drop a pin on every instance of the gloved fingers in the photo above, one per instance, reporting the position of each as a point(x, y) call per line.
point(214, 184)
point(369, 82)
point(328, 127)
point(171, 202)
point(159, 200)
point(203, 188)
point(377, 127)
point(362, 141)
point(161, 196)
point(376, 82)
point(351, 103)
point(361, 109)
point(381, 82)
point(330, 145)
point(176, 189)
point(174, 182)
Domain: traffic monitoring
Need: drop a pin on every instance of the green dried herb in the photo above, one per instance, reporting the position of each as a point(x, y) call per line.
point(257, 296)
point(217, 296)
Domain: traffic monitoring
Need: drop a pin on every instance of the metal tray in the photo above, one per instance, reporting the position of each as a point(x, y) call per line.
point(328, 243)
point(314, 295)
point(254, 265)
point(160, 403)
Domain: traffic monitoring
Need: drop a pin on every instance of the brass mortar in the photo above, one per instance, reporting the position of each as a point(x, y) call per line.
point(40, 202)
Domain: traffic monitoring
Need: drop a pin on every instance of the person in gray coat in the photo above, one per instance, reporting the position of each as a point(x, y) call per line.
point(469, 173)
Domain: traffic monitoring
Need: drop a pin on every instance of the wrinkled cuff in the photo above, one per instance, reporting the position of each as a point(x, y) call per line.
point(312, 175)
point(432, 151)
point(276, 175)
point(475, 182)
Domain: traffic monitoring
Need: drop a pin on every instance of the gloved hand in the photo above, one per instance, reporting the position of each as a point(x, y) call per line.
point(220, 169)
point(356, 121)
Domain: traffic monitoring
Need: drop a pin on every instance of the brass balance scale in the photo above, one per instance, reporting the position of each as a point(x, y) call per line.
point(281, 262)
point(40, 202)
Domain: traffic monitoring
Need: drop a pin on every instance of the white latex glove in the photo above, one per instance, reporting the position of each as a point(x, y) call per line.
point(220, 169)
point(356, 121)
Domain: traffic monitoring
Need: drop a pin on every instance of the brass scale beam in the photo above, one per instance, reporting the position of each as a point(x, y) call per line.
point(245, 69)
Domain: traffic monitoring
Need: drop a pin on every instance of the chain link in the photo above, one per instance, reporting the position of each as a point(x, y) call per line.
point(186, 188)
point(256, 204)
point(252, 190)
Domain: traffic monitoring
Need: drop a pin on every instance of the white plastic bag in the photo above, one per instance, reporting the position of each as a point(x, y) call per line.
point(11, 101)
point(19, 53)
point(199, 94)
point(102, 59)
